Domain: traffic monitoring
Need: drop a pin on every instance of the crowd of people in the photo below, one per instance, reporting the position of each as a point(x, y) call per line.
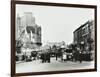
point(46, 55)
point(62, 53)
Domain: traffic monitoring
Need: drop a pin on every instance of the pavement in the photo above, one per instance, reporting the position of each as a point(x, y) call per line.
point(37, 66)
point(20, 62)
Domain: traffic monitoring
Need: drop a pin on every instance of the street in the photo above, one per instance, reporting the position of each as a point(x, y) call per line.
point(37, 66)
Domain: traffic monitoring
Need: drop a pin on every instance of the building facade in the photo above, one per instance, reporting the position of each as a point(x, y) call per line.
point(27, 31)
point(84, 37)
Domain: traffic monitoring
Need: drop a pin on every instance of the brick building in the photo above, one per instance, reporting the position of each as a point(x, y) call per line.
point(84, 37)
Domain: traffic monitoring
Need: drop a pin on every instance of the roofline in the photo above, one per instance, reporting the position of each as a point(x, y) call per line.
point(81, 26)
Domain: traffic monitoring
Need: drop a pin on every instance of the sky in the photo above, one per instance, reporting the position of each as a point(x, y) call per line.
point(58, 23)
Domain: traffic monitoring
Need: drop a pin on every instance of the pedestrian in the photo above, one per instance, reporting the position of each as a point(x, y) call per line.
point(48, 57)
point(64, 56)
point(56, 54)
point(42, 57)
point(80, 57)
point(75, 56)
point(45, 57)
